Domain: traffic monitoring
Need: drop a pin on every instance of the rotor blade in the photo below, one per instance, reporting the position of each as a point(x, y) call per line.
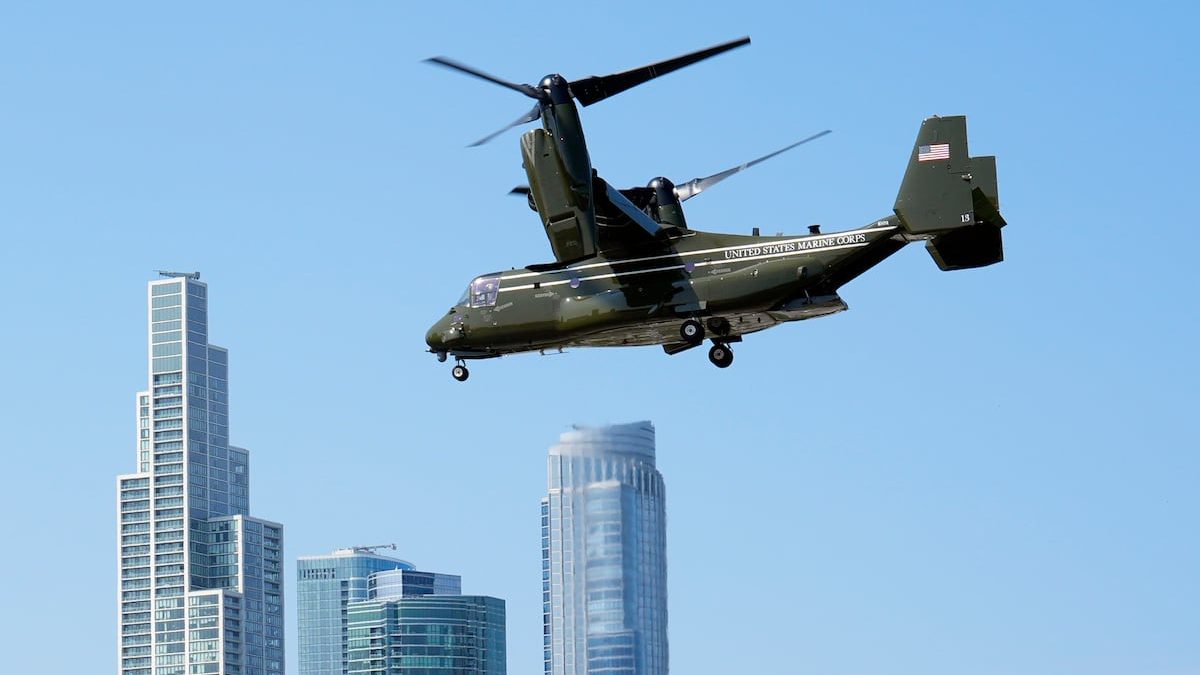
point(526, 192)
point(528, 90)
point(697, 185)
point(589, 90)
point(530, 116)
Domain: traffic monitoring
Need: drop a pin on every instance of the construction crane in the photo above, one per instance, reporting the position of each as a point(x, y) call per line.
point(371, 549)
point(178, 275)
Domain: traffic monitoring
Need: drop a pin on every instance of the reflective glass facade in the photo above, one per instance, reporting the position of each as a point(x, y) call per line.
point(408, 583)
point(325, 585)
point(200, 587)
point(366, 613)
point(604, 554)
point(427, 635)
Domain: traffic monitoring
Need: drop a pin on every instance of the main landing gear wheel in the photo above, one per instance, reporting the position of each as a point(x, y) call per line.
point(721, 355)
point(460, 373)
point(718, 325)
point(692, 332)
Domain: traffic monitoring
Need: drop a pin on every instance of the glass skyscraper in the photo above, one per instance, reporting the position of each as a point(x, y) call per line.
point(360, 612)
point(200, 581)
point(427, 634)
point(326, 583)
point(604, 554)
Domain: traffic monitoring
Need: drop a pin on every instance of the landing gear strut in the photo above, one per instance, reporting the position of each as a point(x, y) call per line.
point(721, 355)
point(460, 372)
point(692, 332)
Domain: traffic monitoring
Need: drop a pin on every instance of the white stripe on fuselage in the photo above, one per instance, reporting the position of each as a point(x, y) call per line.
point(522, 275)
point(705, 263)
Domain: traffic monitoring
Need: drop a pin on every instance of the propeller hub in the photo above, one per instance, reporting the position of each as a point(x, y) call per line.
point(556, 87)
point(664, 190)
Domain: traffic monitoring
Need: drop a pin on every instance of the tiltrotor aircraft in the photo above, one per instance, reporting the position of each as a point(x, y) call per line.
point(629, 271)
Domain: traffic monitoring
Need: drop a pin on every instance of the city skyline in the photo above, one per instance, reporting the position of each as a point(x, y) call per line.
point(201, 581)
point(993, 473)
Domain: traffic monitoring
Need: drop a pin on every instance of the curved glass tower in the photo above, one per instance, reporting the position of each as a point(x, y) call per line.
point(604, 554)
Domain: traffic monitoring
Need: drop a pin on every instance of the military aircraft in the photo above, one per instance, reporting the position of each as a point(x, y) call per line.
point(628, 270)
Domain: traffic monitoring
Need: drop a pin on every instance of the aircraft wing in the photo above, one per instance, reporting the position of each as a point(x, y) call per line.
point(617, 210)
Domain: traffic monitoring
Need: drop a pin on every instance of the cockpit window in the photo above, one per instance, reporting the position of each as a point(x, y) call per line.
point(484, 290)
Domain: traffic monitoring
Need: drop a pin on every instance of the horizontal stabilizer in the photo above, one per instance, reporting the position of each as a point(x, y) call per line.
point(967, 247)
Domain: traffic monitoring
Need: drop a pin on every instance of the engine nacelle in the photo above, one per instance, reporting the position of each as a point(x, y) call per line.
point(665, 209)
point(567, 213)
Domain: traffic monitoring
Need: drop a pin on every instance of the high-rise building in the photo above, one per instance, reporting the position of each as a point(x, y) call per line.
point(400, 631)
point(325, 584)
point(604, 554)
point(361, 612)
point(201, 581)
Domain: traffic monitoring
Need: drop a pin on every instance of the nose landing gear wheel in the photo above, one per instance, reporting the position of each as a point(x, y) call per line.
point(692, 332)
point(721, 355)
point(460, 373)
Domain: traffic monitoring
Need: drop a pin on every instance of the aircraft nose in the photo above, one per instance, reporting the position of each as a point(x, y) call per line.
point(433, 337)
point(440, 333)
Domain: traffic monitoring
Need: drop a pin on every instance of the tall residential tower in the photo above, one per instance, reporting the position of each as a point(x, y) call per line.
point(200, 581)
point(604, 554)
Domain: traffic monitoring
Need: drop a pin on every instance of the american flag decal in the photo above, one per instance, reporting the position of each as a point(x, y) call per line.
point(930, 153)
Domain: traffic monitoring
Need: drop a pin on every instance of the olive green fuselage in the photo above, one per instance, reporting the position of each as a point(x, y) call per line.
point(629, 271)
point(641, 295)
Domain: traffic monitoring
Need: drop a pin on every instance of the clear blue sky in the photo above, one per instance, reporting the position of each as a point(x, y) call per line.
point(991, 471)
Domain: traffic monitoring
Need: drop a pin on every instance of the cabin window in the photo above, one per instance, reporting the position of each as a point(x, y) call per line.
point(484, 291)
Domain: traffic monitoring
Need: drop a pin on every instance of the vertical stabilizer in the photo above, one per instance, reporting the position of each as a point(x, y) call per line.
point(951, 198)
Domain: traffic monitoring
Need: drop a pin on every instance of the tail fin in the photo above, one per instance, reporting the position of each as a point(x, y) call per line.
point(951, 198)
